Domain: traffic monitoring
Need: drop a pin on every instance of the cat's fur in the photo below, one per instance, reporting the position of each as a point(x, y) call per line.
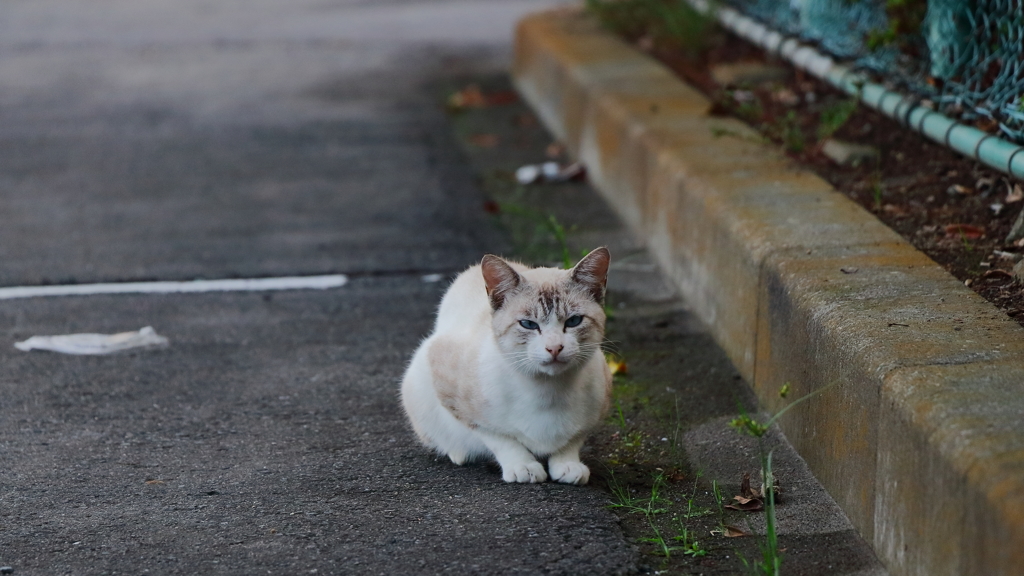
point(484, 385)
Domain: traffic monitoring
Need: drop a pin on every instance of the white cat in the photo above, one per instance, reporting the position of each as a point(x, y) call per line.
point(514, 368)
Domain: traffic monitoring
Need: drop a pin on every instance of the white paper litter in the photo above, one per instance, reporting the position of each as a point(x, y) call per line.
point(94, 344)
point(528, 174)
point(550, 172)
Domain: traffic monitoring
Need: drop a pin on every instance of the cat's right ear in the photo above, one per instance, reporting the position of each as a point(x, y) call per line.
point(500, 278)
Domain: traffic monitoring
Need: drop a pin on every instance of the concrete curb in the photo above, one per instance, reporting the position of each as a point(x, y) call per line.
point(920, 437)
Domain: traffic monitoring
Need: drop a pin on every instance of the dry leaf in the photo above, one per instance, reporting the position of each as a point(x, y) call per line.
point(745, 490)
point(964, 231)
point(746, 504)
point(897, 211)
point(615, 364)
point(786, 97)
point(987, 124)
point(501, 98)
point(743, 96)
point(571, 172)
point(484, 140)
point(554, 150)
point(472, 97)
point(733, 532)
point(749, 499)
point(1015, 195)
point(959, 189)
point(468, 97)
point(526, 120)
point(996, 272)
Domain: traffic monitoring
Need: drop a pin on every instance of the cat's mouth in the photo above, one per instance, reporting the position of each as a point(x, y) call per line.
point(555, 365)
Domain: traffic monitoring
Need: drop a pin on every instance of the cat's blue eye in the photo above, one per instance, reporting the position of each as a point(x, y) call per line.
point(529, 324)
point(573, 321)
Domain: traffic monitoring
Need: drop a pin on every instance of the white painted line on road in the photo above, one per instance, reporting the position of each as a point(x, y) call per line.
point(191, 286)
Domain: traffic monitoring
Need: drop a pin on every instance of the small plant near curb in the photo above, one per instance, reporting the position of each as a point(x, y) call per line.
point(546, 225)
point(687, 538)
point(835, 117)
point(648, 506)
point(876, 190)
point(787, 129)
point(771, 557)
point(663, 23)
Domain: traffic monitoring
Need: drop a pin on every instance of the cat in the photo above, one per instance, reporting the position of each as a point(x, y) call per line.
point(513, 369)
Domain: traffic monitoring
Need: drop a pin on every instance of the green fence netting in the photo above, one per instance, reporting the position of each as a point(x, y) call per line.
point(965, 56)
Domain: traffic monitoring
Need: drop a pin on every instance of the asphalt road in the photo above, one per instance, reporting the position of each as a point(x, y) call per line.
point(184, 139)
point(172, 140)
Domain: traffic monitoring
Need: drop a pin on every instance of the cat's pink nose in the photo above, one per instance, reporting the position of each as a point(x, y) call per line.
point(554, 351)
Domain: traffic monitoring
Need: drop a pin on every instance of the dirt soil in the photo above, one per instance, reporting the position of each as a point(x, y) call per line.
point(955, 210)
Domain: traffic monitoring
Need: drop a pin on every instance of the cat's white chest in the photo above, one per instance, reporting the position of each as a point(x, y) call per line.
point(542, 419)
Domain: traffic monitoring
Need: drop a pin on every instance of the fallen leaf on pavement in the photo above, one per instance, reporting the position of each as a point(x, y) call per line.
point(746, 504)
point(472, 97)
point(501, 98)
point(468, 97)
point(733, 532)
point(615, 364)
point(484, 140)
point(745, 490)
point(574, 171)
point(526, 120)
point(749, 499)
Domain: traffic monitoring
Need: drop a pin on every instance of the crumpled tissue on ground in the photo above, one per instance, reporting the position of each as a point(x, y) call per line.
point(550, 172)
point(94, 344)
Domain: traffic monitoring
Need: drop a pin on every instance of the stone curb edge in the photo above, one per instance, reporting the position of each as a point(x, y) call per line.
point(919, 435)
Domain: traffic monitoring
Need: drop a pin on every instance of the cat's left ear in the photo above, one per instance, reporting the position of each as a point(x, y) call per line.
point(592, 272)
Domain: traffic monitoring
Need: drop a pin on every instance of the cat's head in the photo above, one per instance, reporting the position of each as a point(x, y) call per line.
point(546, 320)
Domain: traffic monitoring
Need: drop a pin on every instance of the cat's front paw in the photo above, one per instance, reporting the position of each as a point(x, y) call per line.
point(570, 472)
point(532, 472)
